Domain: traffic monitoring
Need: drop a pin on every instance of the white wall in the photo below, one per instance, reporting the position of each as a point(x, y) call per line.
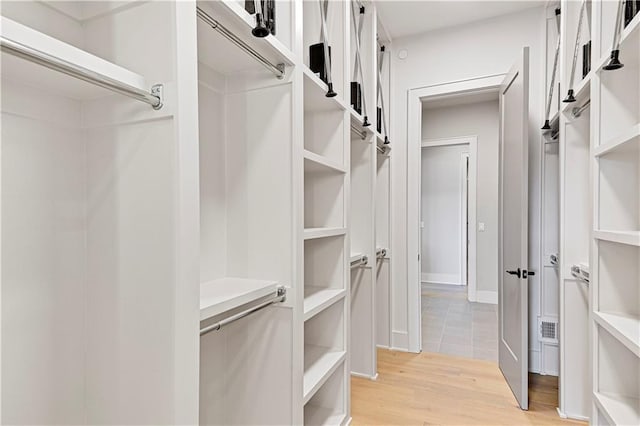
point(441, 204)
point(480, 49)
point(480, 119)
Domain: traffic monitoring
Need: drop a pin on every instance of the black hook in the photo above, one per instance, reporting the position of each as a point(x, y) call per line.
point(570, 97)
point(260, 29)
point(330, 92)
point(547, 125)
point(614, 62)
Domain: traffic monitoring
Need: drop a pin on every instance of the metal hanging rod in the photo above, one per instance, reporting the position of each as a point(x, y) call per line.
point(153, 98)
point(577, 111)
point(281, 296)
point(277, 69)
point(383, 149)
point(381, 253)
point(360, 261)
point(361, 133)
point(581, 273)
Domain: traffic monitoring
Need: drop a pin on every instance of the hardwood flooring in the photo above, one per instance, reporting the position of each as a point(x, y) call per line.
point(438, 389)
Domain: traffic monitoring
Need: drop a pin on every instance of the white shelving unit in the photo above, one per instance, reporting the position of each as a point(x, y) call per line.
point(133, 221)
point(325, 390)
point(615, 288)
point(575, 134)
point(382, 205)
point(362, 202)
point(100, 286)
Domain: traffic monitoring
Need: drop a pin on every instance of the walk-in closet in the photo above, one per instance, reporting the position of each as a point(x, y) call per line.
point(210, 212)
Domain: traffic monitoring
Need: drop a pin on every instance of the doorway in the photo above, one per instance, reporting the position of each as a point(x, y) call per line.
point(452, 322)
point(448, 183)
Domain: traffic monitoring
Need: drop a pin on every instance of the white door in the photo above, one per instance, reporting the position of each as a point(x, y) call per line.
point(512, 289)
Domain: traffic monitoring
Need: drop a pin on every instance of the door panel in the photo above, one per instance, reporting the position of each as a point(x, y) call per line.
point(513, 303)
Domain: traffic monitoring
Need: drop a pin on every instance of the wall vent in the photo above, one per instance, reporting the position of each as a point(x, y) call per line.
point(548, 330)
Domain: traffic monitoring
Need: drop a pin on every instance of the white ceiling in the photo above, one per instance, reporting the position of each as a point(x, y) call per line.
point(402, 18)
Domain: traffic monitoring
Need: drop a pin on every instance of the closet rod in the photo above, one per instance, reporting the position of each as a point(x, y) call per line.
point(577, 111)
point(358, 132)
point(278, 69)
point(381, 253)
point(360, 261)
point(153, 98)
point(580, 273)
point(281, 295)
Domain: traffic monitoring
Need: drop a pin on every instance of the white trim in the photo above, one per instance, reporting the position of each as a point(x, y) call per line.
point(364, 376)
point(399, 340)
point(447, 279)
point(465, 244)
point(414, 132)
point(490, 297)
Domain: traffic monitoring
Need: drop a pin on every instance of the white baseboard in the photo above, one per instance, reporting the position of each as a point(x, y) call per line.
point(364, 376)
point(400, 341)
point(487, 297)
point(448, 279)
point(564, 415)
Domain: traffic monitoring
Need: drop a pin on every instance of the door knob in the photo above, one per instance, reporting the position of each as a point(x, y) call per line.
point(516, 272)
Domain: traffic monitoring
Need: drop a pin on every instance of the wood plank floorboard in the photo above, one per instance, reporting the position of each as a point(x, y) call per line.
point(437, 389)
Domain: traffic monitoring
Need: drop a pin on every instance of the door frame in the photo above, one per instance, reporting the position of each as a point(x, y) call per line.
point(472, 141)
point(416, 96)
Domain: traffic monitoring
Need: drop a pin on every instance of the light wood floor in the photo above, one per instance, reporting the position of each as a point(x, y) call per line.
point(437, 389)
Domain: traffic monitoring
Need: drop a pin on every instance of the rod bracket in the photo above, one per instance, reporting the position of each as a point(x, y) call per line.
point(281, 68)
point(157, 90)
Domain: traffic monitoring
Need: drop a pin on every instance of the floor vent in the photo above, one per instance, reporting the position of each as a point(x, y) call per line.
point(548, 330)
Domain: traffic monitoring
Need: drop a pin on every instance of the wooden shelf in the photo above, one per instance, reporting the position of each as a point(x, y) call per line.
point(631, 238)
point(319, 363)
point(314, 163)
point(40, 77)
point(313, 233)
point(629, 141)
point(317, 299)
point(315, 415)
point(625, 328)
point(619, 410)
point(224, 294)
point(314, 95)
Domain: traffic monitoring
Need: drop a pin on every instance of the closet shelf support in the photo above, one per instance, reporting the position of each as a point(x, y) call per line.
point(361, 133)
point(276, 69)
point(361, 261)
point(281, 296)
point(153, 98)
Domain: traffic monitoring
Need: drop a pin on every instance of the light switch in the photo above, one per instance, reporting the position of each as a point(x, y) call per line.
point(481, 226)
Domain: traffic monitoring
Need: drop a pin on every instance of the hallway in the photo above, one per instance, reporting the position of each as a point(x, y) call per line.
point(454, 326)
point(428, 388)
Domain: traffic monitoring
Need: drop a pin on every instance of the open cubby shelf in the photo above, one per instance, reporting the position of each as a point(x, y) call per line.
point(319, 363)
point(325, 407)
point(317, 299)
point(618, 410)
point(631, 238)
point(625, 328)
